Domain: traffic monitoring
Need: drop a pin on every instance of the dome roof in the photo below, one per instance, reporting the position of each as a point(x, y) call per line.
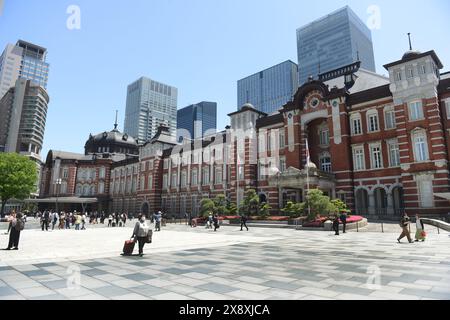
point(113, 136)
point(111, 142)
point(411, 54)
point(248, 105)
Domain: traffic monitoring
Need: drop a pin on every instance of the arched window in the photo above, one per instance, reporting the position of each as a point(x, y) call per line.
point(373, 124)
point(325, 162)
point(389, 117)
point(420, 145)
point(324, 135)
point(355, 123)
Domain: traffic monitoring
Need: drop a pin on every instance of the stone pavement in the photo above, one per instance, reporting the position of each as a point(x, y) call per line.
point(262, 264)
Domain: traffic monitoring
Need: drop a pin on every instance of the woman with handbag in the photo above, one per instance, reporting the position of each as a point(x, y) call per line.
point(420, 230)
point(141, 233)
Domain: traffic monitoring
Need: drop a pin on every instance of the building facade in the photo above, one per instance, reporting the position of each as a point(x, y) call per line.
point(196, 120)
point(24, 113)
point(23, 60)
point(149, 105)
point(269, 89)
point(379, 144)
point(333, 41)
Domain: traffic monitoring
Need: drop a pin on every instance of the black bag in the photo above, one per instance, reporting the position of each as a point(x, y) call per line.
point(149, 236)
point(20, 225)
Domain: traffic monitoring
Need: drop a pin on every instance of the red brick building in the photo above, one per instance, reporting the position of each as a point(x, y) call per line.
point(380, 144)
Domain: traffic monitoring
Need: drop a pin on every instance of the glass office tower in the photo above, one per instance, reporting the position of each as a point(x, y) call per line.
point(149, 105)
point(23, 60)
point(333, 41)
point(269, 89)
point(196, 120)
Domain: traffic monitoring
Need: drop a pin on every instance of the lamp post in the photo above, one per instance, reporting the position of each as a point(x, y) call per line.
point(58, 182)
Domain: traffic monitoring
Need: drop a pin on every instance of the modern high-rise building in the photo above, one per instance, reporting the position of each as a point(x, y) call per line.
point(149, 105)
point(196, 120)
point(270, 89)
point(333, 41)
point(23, 60)
point(23, 112)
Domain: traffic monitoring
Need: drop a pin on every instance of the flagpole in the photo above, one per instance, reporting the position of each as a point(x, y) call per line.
point(308, 159)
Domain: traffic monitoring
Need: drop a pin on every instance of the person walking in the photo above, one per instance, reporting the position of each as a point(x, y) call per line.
point(110, 219)
point(210, 222)
point(140, 233)
point(125, 219)
point(343, 218)
point(158, 218)
point(77, 218)
point(54, 219)
point(420, 230)
point(216, 222)
point(17, 225)
point(117, 219)
point(45, 220)
point(68, 218)
point(62, 220)
point(404, 224)
point(244, 222)
point(83, 222)
point(336, 225)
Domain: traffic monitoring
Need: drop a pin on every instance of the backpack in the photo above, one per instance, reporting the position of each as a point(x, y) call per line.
point(20, 225)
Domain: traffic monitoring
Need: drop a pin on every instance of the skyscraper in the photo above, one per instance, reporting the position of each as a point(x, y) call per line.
point(333, 41)
point(23, 60)
point(149, 105)
point(197, 119)
point(270, 89)
point(22, 124)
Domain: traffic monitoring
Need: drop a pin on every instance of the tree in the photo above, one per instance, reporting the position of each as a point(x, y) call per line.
point(340, 205)
point(206, 207)
point(250, 203)
point(220, 205)
point(318, 204)
point(18, 178)
point(293, 210)
point(264, 210)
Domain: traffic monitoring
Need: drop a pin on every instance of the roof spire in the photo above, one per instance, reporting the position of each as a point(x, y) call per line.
point(409, 37)
point(115, 124)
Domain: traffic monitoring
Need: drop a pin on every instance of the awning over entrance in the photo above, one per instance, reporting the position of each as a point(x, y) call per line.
point(445, 196)
point(70, 200)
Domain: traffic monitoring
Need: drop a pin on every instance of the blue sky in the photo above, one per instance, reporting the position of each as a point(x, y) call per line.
point(200, 46)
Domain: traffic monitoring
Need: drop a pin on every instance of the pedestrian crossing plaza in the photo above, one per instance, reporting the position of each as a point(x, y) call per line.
point(186, 263)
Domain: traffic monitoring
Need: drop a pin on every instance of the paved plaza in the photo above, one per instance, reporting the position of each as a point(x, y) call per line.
point(196, 264)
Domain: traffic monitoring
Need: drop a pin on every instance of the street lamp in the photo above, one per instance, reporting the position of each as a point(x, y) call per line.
point(58, 182)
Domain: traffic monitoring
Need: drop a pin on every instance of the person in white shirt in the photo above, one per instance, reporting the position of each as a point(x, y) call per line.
point(140, 233)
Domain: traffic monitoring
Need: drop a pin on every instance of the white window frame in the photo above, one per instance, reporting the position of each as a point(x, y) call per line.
point(373, 114)
point(389, 110)
point(420, 133)
point(218, 172)
point(373, 161)
point(282, 164)
point(325, 167)
point(174, 180)
point(356, 155)
point(183, 178)
point(165, 181)
point(324, 135)
point(416, 114)
point(282, 138)
point(205, 175)
point(150, 182)
point(356, 117)
point(194, 179)
point(390, 144)
point(447, 107)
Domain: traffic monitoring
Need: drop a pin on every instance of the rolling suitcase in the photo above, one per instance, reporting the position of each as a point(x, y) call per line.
point(128, 248)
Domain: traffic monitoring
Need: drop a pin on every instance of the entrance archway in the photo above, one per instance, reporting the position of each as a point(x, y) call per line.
point(145, 209)
point(362, 202)
point(398, 201)
point(380, 201)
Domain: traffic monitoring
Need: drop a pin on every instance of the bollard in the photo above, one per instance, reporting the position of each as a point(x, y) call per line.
point(357, 226)
point(382, 227)
point(438, 230)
